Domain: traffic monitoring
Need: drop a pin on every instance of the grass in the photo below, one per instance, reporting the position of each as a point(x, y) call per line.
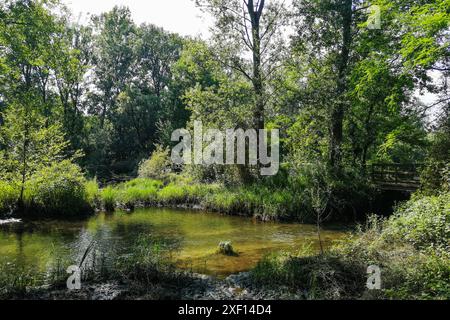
point(8, 197)
point(15, 280)
point(411, 248)
point(258, 201)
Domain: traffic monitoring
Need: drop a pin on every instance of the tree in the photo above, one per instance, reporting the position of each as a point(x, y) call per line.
point(318, 24)
point(247, 39)
point(29, 144)
point(70, 65)
point(114, 57)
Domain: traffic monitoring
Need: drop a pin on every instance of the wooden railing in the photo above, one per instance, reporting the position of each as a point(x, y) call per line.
point(404, 177)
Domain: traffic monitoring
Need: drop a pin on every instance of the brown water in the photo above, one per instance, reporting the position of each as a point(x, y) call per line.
point(197, 236)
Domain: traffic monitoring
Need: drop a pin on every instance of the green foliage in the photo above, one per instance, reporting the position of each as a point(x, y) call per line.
point(319, 277)
point(423, 222)
point(265, 203)
point(57, 190)
point(158, 166)
point(8, 197)
point(109, 198)
point(29, 142)
point(139, 191)
point(436, 174)
point(92, 192)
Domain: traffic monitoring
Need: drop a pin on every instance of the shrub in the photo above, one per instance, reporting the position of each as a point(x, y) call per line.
point(57, 190)
point(423, 222)
point(158, 166)
point(435, 176)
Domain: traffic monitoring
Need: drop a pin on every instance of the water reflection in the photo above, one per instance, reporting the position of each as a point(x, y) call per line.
point(194, 237)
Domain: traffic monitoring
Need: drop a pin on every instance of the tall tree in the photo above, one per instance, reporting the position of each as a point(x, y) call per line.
point(115, 34)
point(247, 39)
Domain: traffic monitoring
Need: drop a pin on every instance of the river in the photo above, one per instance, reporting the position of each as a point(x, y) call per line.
point(195, 237)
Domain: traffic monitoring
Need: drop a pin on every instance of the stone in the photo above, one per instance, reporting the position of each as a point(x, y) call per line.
point(226, 248)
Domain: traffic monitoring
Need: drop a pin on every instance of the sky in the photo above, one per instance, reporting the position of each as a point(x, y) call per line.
point(180, 16)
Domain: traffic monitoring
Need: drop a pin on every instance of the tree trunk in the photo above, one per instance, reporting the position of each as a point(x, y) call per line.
point(258, 86)
point(338, 112)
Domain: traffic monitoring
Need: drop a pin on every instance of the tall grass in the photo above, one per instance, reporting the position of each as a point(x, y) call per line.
point(109, 197)
point(260, 201)
point(92, 192)
point(8, 197)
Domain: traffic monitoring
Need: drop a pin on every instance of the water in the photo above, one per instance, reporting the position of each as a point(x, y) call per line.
point(196, 235)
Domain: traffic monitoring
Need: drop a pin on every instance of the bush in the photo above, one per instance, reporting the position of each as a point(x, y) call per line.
point(158, 166)
point(423, 222)
point(435, 177)
point(57, 190)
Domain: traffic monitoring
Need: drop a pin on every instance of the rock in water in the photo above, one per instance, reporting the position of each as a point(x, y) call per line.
point(226, 248)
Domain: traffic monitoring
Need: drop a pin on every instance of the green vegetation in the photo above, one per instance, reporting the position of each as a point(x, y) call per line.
point(146, 265)
point(59, 190)
point(95, 100)
point(262, 202)
point(411, 248)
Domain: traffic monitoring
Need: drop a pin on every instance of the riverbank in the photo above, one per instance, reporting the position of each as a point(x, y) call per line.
point(411, 250)
point(260, 201)
point(199, 287)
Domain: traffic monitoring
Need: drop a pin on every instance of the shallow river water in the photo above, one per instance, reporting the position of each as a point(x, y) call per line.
point(196, 235)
